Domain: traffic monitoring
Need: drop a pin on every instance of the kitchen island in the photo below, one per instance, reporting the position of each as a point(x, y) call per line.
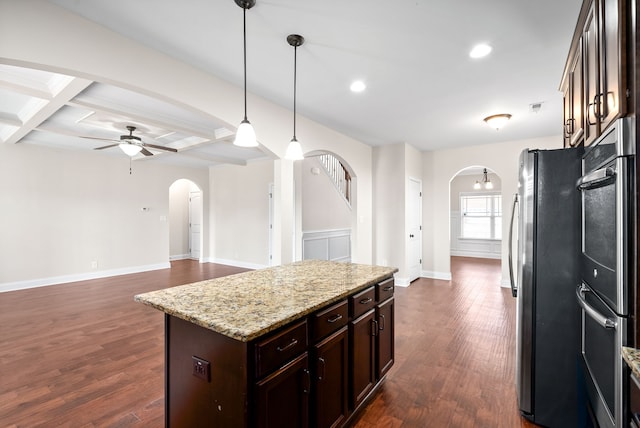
point(276, 347)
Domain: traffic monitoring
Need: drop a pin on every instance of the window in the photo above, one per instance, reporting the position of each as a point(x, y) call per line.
point(481, 216)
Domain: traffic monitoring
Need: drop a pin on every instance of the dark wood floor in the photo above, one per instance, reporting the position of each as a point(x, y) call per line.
point(86, 355)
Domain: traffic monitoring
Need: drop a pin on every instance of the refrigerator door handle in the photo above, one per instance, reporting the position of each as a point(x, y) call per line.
point(589, 310)
point(597, 178)
point(514, 289)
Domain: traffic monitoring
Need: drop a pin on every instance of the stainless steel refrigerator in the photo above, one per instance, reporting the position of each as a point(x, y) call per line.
point(545, 242)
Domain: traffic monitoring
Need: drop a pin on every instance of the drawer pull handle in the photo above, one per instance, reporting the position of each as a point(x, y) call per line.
point(334, 318)
point(321, 373)
point(365, 301)
point(388, 288)
point(293, 342)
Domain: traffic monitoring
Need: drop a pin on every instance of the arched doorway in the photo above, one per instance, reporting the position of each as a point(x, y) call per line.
point(326, 195)
point(475, 207)
point(185, 220)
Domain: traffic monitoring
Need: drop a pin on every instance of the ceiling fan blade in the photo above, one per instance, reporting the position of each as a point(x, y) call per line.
point(96, 138)
point(153, 146)
point(146, 152)
point(106, 147)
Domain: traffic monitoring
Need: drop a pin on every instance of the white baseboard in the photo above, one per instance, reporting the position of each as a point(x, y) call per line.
point(235, 263)
point(445, 276)
point(43, 282)
point(179, 257)
point(401, 282)
point(478, 255)
point(506, 283)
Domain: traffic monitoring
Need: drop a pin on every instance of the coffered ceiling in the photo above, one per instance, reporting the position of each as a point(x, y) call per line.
point(422, 86)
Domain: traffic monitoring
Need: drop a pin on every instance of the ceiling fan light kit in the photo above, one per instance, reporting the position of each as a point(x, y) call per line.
point(245, 134)
point(294, 150)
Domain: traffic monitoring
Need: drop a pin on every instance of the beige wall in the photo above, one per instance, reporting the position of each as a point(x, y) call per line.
point(57, 40)
point(61, 211)
point(441, 166)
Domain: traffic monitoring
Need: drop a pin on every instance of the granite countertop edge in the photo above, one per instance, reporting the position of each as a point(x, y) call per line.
point(175, 301)
point(632, 358)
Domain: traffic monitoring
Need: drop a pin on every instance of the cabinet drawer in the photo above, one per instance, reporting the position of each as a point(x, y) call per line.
point(362, 302)
point(273, 352)
point(329, 320)
point(384, 290)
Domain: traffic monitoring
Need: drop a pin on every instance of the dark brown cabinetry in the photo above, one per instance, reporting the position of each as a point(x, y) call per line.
point(330, 380)
point(299, 375)
point(594, 83)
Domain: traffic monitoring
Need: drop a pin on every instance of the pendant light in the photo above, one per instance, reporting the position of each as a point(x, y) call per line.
point(294, 150)
point(485, 181)
point(245, 135)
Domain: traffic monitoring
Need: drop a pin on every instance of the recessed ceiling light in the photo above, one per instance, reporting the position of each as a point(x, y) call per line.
point(358, 86)
point(480, 51)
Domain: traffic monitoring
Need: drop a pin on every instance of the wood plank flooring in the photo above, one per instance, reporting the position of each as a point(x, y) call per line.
point(86, 355)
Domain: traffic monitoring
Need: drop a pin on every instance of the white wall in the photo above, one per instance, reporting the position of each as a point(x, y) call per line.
point(240, 214)
point(393, 166)
point(66, 216)
point(438, 169)
point(41, 35)
point(323, 207)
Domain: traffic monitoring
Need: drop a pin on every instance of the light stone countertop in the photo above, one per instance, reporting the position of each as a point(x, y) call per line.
point(247, 305)
point(632, 357)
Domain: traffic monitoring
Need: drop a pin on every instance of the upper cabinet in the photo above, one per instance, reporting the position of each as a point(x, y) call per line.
point(594, 83)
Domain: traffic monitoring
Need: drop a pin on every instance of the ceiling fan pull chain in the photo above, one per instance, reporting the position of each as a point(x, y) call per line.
point(129, 166)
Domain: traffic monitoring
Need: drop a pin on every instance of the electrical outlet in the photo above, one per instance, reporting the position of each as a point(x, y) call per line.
point(201, 368)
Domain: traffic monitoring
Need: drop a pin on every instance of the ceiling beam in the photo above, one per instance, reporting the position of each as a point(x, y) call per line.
point(73, 88)
point(164, 123)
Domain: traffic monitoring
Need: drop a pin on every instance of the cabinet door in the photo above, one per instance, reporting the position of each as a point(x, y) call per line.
point(362, 359)
point(591, 85)
point(611, 68)
point(384, 347)
point(283, 397)
point(330, 377)
point(577, 106)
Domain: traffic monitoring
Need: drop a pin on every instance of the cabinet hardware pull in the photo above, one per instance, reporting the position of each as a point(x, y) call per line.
point(334, 318)
point(321, 361)
point(589, 108)
point(374, 325)
point(307, 381)
point(293, 342)
point(382, 324)
point(365, 301)
point(388, 288)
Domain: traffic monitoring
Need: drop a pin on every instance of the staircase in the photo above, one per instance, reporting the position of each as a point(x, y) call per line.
point(338, 174)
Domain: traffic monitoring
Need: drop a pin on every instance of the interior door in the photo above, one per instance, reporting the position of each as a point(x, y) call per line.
point(195, 224)
point(414, 226)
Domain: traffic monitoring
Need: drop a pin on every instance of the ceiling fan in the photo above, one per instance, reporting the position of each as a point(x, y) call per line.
point(131, 144)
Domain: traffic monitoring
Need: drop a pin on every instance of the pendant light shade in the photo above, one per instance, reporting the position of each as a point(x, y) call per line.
point(245, 135)
point(130, 149)
point(294, 149)
point(486, 182)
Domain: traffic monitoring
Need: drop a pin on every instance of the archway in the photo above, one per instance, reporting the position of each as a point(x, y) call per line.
point(185, 220)
point(475, 208)
point(326, 207)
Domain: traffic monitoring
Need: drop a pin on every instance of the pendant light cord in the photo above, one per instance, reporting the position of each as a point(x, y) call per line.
point(244, 37)
point(295, 62)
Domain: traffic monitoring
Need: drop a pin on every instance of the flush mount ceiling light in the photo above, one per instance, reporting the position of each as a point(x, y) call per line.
point(358, 86)
point(485, 182)
point(481, 50)
point(497, 121)
point(245, 135)
point(294, 150)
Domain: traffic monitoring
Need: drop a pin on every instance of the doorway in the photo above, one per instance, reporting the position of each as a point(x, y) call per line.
point(185, 220)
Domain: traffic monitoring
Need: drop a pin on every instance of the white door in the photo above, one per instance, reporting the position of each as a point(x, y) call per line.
point(195, 224)
point(414, 240)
